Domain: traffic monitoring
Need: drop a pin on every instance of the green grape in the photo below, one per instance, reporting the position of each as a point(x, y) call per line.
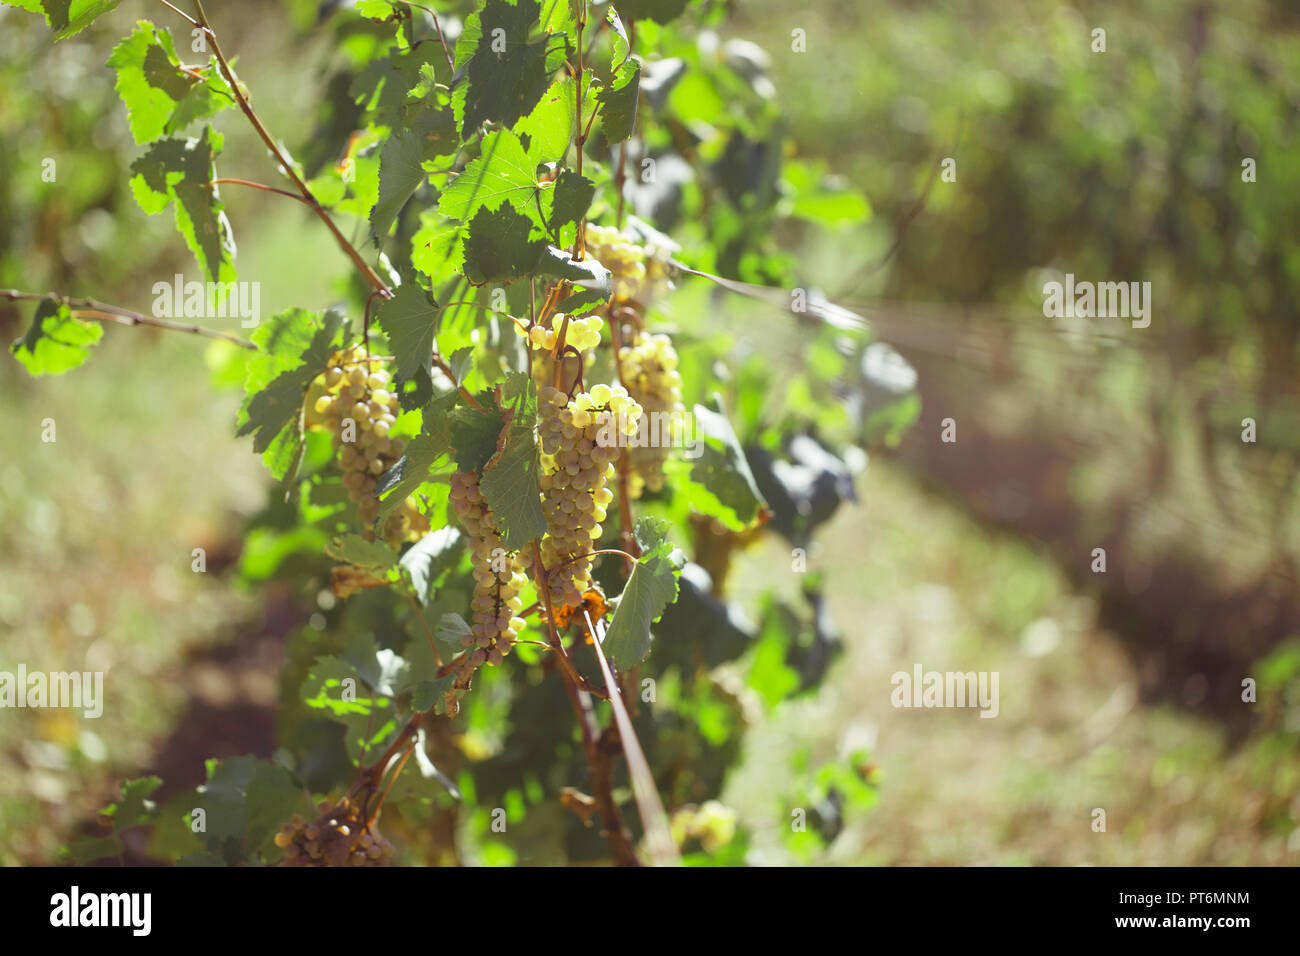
point(649, 367)
point(579, 444)
point(498, 579)
point(354, 392)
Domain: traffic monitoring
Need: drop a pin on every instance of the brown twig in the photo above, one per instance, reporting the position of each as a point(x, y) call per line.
point(90, 308)
point(372, 277)
point(263, 187)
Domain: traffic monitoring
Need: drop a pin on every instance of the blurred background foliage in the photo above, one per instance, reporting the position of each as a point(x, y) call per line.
point(811, 170)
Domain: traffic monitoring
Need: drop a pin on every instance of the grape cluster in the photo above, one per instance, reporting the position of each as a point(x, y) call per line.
point(580, 440)
point(498, 577)
point(583, 334)
point(356, 394)
point(339, 837)
point(638, 274)
point(649, 367)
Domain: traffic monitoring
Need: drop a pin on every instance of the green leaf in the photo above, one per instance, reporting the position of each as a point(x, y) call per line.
point(357, 551)
point(475, 433)
point(618, 102)
point(69, 17)
point(551, 125)
point(510, 483)
point(133, 809)
point(410, 471)
point(182, 171)
point(582, 302)
point(381, 668)
point(660, 11)
point(508, 71)
point(160, 97)
point(430, 557)
point(333, 686)
point(501, 246)
point(587, 273)
point(56, 342)
point(650, 589)
point(503, 172)
point(430, 695)
point(293, 348)
point(398, 88)
point(622, 46)
point(451, 630)
point(400, 175)
point(571, 199)
point(410, 318)
point(246, 800)
point(722, 468)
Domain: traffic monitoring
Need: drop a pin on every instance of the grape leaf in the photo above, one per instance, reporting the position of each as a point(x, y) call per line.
point(69, 17)
point(410, 318)
point(503, 172)
point(293, 348)
point(571, 199)
point(551, 124)
point(621, 45)
point(507, 73)
point(722, 468)
point(587, 273)
point(502, 246)
point(245, 801)
point(182, 171)
point(451, 630)
point(334, 686)
point(410, 471)
point(357, 551)
point(431, 695)
point(400, 175)
point(398, 87)
point(160, 97)
point(650, 589)
point(428, 558)
point(475, 433)
point(618, 103)
point(510, 482)
point(381, 668)
point(56, 342)
point(133, 809)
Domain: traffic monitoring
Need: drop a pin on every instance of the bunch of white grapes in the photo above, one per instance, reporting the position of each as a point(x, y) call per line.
point(339, 837)
point(583, 333)
point(498, 580)
point(638, 274)
point(649, 368)
point(359, 409)
point(580, 440)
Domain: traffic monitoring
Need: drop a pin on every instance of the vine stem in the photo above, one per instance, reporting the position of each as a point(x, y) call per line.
point(570, 671)
point(261, 186)
point(371, 276)
point(579, 134)
point(602, 778)
point(658, 837)
point(93, 309)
